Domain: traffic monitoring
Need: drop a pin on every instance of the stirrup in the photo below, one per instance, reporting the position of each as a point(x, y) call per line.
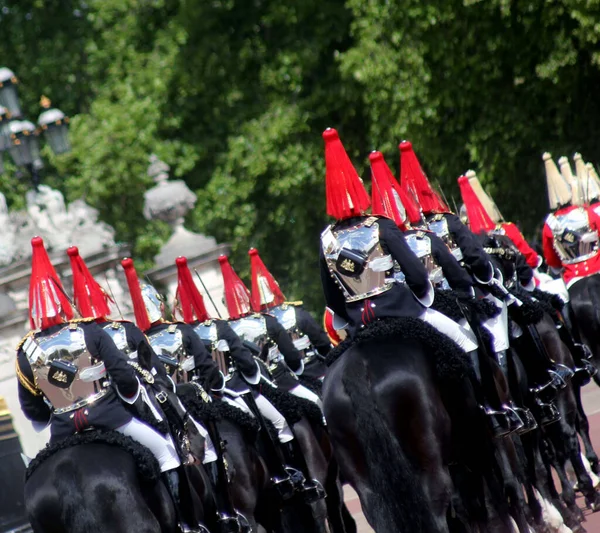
point(500, 425)
point(529, 422)
point(200, 529)
point(584, 351)
point(312, 491)
point(547, 412)
point(233, 524)
point(284, 486)
point(564, 372)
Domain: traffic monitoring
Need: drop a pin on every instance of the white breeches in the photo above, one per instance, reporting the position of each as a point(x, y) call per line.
point(302, 392)
point(162, 447)
point(462, 336)
point(267, 409)
point(210, 454)
point(498, 326)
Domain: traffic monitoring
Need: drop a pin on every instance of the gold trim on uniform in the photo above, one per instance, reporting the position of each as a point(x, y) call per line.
point(23, 380)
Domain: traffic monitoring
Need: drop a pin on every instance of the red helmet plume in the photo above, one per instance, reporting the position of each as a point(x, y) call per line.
point(88, 295)
point(48, 305)
point(415, 182)
point(188, 295)
point(479, 219)
point(139, 308)
point(237, 296)
point(346, 195)
point(265, 290)
point(388, 197)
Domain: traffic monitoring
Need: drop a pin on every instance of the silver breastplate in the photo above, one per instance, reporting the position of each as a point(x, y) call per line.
point(117, 333)
point(439, 225)
point(219, 349)
point(65, 371)
point(168, 345)
point(254, 329)
point(420, 244)
point(574, 239)
point(357, 261)
point(251, 328)
point(286, 316)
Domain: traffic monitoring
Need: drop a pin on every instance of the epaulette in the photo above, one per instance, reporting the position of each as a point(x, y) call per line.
point(370, 221)
point(420, 234)
point(23, 380)
point(22, 341)
point(172, 327)
point(438, 216)
point(297, 303)
point(82, 319)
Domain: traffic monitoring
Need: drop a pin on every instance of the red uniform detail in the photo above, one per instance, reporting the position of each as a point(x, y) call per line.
point(574, 270)
point(513, 233)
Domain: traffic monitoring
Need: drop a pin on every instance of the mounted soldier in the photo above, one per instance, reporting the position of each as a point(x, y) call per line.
point(272, 342)
point(454, 286)
point(308, 336)
point(382, 394)
point(243, 383)
point(571, 250)
point(73, 377)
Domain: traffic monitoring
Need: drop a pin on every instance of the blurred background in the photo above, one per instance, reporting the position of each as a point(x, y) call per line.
point(234, 95)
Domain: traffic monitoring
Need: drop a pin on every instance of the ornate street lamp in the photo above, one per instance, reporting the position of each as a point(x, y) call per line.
point(55, 125)
point(21, 136)
point(24, 146)
point(9, 97)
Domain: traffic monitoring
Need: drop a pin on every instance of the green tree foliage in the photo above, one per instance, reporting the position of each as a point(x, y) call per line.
point(234, 95)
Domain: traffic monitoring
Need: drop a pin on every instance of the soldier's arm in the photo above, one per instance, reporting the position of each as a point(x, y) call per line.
point(310, 327)
point(472, 250)
point(513, 233)
point(412, 268)
point(284, 342)
point(30, 397)
point(209, 375)
point(242, 356)
point(135, 336)
point(548, 246)
point(333, 294)
point(457, 276)
point(103, 348)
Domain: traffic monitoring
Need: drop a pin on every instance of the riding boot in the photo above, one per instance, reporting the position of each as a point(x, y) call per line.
point(584, 369)
point(311, 489)
point(227, 522)
point(498, 420)
point(184, 513)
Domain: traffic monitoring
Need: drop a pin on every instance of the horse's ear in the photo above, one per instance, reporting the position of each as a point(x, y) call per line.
point(144, 352)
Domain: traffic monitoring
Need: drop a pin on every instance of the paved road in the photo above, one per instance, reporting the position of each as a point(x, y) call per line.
point(591, 400)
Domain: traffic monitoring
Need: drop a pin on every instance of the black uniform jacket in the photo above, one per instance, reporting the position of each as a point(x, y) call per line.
point(107, 413)
point(399, 301)
point(516, 266)
point(135, 337)
point(455, 274)
point(205, 368)
point(284, 374)
point(245, 365)
point(315, 367)
point(473, 254)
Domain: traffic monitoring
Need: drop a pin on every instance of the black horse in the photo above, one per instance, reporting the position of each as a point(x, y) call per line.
point(397, 405)
point(95, 487)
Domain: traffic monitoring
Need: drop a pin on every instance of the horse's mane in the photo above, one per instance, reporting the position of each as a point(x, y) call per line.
point(146, 464)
